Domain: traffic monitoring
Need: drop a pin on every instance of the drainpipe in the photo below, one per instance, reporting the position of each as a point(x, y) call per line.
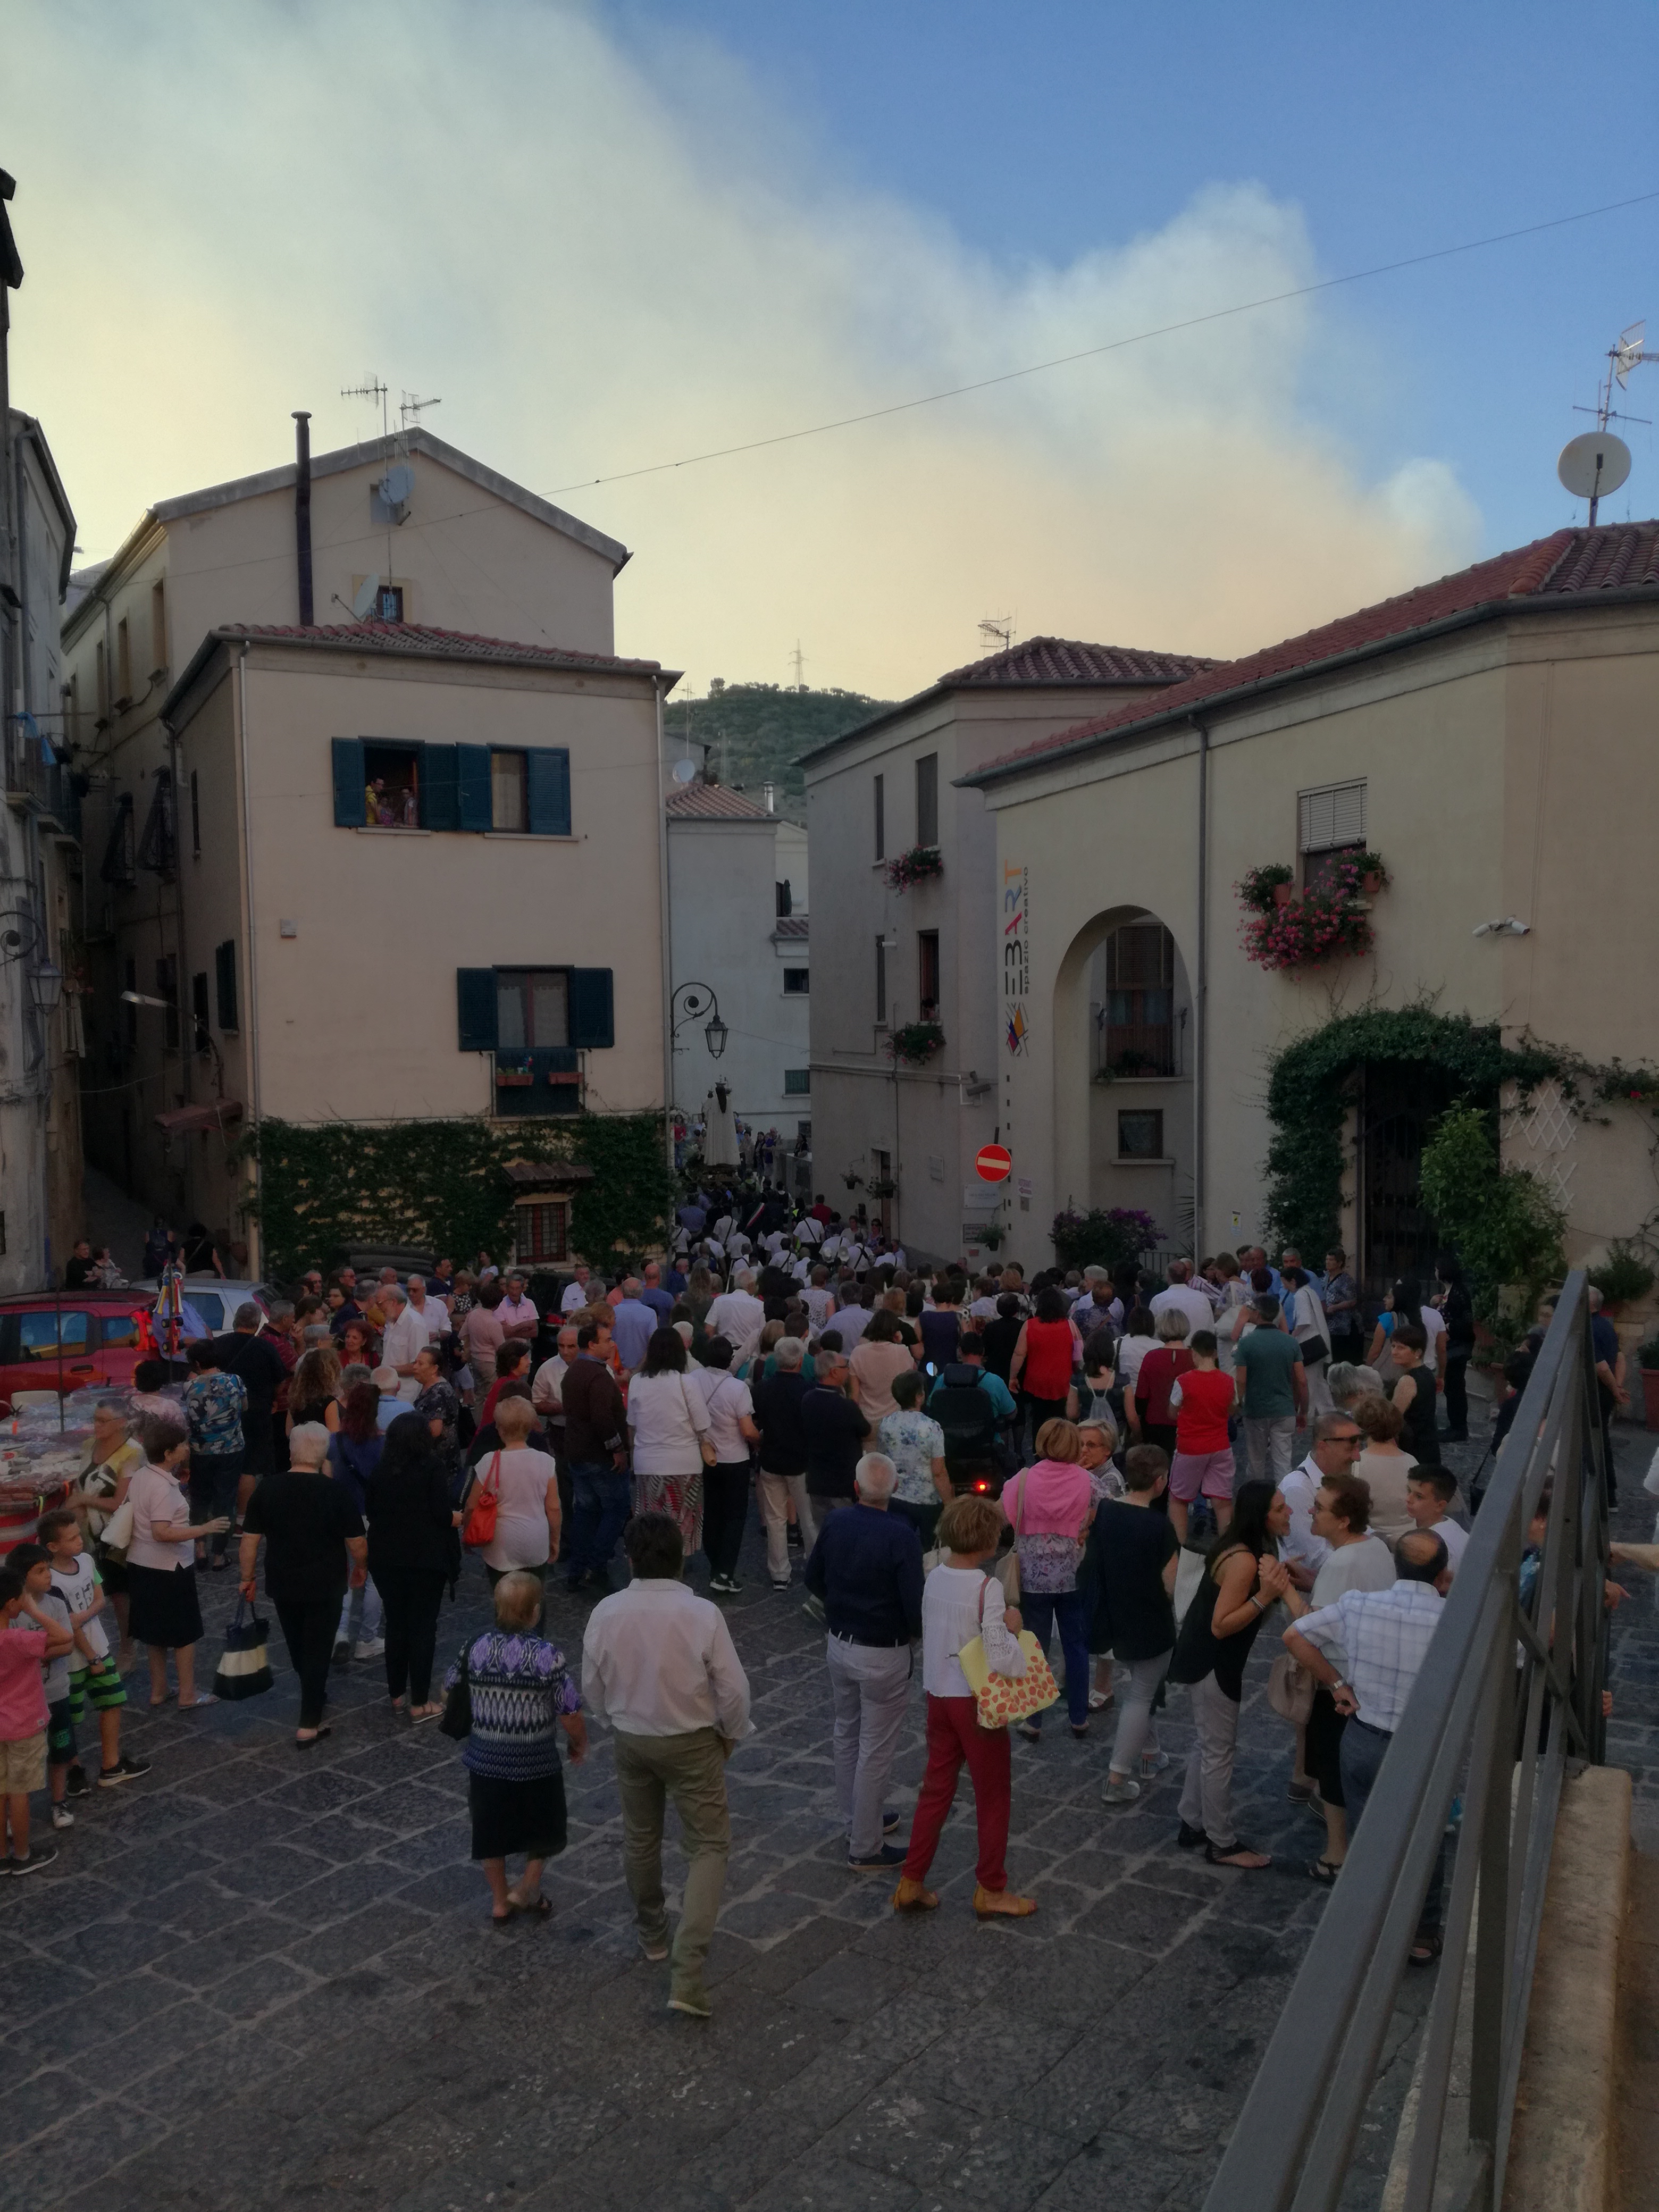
point(302, 512)
point(254, 1239)
point(667, 931)
point(1202, 1008)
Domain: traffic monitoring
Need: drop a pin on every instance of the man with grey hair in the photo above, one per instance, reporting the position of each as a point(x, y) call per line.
point(315, 1550)
point(738, 1315)
point(633, 1325)
point(404, 1339)
point(865, 1571)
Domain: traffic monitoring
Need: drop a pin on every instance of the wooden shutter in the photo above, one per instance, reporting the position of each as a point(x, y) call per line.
point(472, 786)
point(349, 811)
point(475, 1003)
point(548, 780)
point(439, 791)
point(224, 972)
point(592, 1019)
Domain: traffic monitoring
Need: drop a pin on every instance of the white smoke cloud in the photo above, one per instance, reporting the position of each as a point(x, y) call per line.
point(229, 213)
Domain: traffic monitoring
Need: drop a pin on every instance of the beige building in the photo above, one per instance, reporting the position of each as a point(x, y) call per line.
point(396, 852)
point(1488, 739)
point(899, 1139)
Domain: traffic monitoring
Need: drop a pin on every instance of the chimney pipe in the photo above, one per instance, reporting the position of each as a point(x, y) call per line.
point(302, 512)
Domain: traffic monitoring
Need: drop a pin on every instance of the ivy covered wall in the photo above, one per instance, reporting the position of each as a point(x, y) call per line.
point(440, 1186)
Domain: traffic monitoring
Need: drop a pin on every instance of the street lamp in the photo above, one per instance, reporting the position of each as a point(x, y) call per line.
point(47, 986)
point(690, 1000)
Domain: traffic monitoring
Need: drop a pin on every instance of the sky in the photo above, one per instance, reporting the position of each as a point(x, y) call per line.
point(611, 236)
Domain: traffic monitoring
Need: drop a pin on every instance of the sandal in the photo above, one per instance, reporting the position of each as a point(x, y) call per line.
point(1325, 1871)
point(202, 1697)
point(1238, 1854)
point(537, 1908)
point(1425, 1948)
point(1099, 1699)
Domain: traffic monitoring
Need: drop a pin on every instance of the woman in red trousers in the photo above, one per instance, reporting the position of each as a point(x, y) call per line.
point(959, 1601)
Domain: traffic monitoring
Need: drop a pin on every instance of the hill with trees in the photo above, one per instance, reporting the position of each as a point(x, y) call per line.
point(756, 733)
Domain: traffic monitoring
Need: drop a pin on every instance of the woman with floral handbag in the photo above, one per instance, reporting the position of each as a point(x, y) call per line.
point(963, 1607)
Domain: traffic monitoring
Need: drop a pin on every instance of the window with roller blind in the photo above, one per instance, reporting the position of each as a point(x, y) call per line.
point(1330, 823)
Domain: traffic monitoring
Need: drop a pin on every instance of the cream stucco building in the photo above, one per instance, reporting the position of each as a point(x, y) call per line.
point(1490, 738)
point(895, 786)
point(375, 816)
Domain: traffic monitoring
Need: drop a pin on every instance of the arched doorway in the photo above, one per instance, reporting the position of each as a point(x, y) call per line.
point(1123, 1072)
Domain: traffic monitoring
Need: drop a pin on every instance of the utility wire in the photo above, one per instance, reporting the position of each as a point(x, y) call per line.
point(1113, 345)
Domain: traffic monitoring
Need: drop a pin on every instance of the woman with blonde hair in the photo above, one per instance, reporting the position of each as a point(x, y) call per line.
point(960, 1601)
point(1050, 1505)
point(1383, 1467)
point(525, 1484)
point(522, 1695)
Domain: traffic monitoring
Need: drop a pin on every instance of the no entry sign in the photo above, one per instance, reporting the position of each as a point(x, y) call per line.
point(992, 1161)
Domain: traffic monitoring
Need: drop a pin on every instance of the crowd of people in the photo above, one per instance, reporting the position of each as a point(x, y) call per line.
point(965, 1471)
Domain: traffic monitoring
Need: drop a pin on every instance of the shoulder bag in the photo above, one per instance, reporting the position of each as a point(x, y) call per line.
point(1291, 1690)
point(999, 1699)
point(480, 1528)
point(244, 1670)
point(456, 1718)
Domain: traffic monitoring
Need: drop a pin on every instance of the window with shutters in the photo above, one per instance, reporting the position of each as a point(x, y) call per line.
point(1137, 1023)
point(224, 984)
point(927, 800)
point(928, 974)
point(1330, 822)
point(391, 786)
point(881, 818)
point(542, 1230)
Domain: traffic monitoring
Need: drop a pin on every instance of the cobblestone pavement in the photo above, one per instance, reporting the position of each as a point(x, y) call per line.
point(263, 1979)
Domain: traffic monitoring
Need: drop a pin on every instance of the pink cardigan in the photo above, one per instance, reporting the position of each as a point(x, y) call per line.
point(1051, 1498)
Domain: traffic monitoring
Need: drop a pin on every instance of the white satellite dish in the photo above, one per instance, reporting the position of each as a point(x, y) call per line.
point(362, 605)
point(397, 485)
point(684, 770)
point(1594, 465)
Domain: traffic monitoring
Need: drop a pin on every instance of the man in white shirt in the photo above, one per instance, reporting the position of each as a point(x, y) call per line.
point(738, 1315)
point(1183, 1296)
point(575, 1294)
point(659, 1663)
point(819, 1298)
point(434, 1315)
point(545, 1394)
point(1337, 1444)
point(405, 1336)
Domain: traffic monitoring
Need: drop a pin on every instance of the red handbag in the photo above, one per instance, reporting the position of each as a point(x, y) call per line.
point(480, 1528)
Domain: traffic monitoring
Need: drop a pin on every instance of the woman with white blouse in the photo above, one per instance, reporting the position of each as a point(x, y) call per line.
point(960, 1601)
point(668, 1428)
point(164, 1612)
point(526, 1486)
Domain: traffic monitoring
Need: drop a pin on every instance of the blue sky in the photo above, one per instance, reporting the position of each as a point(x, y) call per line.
point(1039, 132)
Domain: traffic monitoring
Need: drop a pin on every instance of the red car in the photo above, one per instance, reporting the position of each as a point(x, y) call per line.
point(70, 1343)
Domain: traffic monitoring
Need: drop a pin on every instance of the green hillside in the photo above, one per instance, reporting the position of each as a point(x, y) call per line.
point(756, 732)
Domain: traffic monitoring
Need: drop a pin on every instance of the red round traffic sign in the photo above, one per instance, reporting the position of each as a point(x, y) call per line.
point(992, 1161)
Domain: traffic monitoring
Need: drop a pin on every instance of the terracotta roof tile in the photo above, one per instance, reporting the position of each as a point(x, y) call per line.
point(1622, 556)
point(715, 802)
point(1067, 660)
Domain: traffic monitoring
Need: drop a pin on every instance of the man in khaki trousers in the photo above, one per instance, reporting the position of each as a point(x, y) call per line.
point(658, 1665)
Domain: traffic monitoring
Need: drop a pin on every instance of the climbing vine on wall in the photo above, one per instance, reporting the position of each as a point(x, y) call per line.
point(439, 1186)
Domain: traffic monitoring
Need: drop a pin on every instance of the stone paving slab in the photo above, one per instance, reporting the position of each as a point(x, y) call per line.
point(266, 1978)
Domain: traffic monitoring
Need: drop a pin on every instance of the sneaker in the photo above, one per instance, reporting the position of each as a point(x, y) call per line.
point(372, 1649)
point(783, 1585)
point(125, 1770)
point(655, 1948)
point(79, 1784)
point(889, 1857)
point(1120, 1793)
point(42, 1855)
point(889, 1819)
point(1152, 1762)
point(62, 1817)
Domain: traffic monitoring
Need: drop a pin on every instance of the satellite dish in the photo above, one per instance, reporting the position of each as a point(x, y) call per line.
point(363, 604)
point(684, 770)
point(1594, 465)
point(397, 485)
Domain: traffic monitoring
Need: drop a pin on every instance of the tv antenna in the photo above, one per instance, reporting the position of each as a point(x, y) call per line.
point(998, 631)
point(371, 388)
point(412, 407)
point(1596, 463)
point(798, 662)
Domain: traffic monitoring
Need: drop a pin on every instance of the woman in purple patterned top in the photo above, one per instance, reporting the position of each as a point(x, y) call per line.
point(522, 1696)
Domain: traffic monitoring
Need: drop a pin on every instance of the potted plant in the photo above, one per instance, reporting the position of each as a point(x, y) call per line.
point(919, 866)
point(1270, 885)
point(511, 1076)
point(1623, 1277)
point(883, 1187)
point(1373, 875)
point(914, 1043)
point(1648, 1358)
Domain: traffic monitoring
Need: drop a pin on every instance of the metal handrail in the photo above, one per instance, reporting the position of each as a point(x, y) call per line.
point(1506, 1697)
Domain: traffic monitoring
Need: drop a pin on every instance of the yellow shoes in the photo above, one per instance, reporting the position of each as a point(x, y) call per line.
point(1002, 1905)
point(915, 1897)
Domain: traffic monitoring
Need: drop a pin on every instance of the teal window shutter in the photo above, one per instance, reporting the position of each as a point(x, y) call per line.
point(475, 1003)
point(548, 778)
point(350, 811)
point(439, 795)
point(593, 1018)
point(472, 786)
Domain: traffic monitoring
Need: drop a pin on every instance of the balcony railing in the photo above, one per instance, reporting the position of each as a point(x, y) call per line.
point(1508, 1699)
point(539, 1080)
point(36, 778)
